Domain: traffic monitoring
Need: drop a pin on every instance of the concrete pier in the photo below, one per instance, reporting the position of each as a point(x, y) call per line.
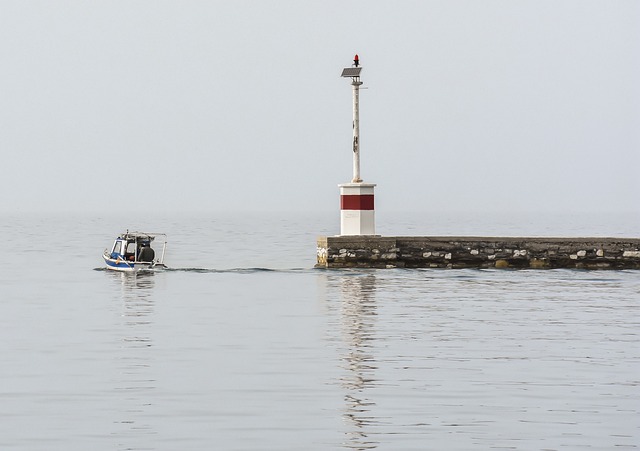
point(477, 252)
point(359, 246)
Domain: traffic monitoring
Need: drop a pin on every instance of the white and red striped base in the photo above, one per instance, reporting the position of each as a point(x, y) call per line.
point(357, 213)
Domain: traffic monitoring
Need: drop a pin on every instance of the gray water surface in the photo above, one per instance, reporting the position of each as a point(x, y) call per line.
point(242, 345)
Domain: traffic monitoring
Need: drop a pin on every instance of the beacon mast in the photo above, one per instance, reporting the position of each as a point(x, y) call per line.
point(357, 214)
point(354, 73)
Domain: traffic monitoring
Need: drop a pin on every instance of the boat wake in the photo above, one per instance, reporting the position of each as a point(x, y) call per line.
point(217, 271)
point(231, 270)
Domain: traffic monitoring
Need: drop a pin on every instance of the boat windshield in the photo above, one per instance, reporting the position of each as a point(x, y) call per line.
point(131, 247)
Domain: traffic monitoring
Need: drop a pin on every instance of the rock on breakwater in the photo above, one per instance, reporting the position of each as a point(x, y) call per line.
point(477, 252)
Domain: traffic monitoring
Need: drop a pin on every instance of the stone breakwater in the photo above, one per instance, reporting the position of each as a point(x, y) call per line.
point(477, 252)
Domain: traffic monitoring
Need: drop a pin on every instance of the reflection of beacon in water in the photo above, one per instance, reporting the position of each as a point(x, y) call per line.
point(358, 309)
point(358, 316)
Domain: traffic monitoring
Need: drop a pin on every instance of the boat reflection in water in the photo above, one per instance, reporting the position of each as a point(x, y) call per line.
point(136, 385)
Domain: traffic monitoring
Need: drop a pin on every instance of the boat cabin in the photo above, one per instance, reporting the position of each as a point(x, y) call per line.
point(132, 250)
point(134, 247)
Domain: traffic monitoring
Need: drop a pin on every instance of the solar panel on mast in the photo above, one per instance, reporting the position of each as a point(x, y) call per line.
point(351, 72)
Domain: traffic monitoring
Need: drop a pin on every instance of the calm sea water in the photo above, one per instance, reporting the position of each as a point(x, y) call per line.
point(242, 345)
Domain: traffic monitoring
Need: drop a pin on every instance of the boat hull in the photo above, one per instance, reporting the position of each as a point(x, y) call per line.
point(124, 266)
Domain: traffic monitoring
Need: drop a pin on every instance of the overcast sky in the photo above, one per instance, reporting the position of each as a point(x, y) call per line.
point(238, 105)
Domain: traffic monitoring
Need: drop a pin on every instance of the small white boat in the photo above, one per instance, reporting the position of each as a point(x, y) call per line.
point(132, 252)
